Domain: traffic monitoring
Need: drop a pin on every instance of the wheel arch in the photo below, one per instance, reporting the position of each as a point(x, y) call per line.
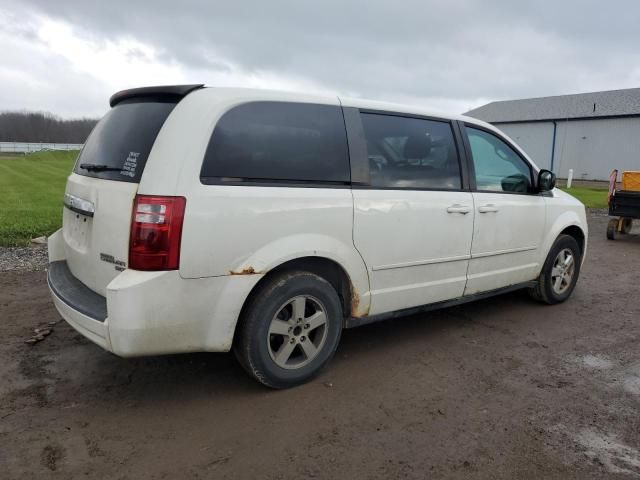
point(576, 232)
point(324, 267)
point(568, 222)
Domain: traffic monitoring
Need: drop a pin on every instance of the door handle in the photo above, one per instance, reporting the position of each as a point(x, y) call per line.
point(463, 209)
point(490, 207)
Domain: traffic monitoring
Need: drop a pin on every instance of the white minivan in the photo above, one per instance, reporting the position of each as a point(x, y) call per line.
point(216, 219)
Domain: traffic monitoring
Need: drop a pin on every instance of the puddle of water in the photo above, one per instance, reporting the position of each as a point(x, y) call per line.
point(632, 384)
point(634, 370)
point(594, 361)
point(615, 456)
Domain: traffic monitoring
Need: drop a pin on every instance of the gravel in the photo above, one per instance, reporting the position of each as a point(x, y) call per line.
point(29, 259)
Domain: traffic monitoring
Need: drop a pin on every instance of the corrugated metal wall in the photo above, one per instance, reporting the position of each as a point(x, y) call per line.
point(535, 138)
point(595, 147)
point(591, 147)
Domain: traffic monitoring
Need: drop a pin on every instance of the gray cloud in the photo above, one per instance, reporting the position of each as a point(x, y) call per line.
point(449, 54)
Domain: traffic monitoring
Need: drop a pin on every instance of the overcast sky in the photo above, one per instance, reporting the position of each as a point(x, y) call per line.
point(68, 57)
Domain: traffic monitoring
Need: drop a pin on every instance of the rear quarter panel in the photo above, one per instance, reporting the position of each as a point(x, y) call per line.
point(246, 230)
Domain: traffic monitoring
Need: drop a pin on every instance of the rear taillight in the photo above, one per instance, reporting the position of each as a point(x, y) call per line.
point(156, 228)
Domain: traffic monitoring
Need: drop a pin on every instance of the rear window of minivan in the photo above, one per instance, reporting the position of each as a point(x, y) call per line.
point(278, 142)
point(120, 143)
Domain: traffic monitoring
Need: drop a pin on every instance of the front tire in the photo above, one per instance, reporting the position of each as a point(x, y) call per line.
point(560, 272)
point(289, 329)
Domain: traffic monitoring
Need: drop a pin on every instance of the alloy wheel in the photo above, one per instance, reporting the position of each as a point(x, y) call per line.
point(297, 332)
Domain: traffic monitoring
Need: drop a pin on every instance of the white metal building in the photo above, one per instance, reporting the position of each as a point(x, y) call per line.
point(592, 133)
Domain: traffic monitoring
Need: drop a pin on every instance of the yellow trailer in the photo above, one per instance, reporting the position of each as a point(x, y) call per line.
point(631, 181)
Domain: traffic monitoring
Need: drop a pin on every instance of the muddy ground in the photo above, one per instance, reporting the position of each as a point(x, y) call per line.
point(502, 388)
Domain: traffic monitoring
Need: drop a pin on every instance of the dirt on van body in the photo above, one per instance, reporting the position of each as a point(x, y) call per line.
point(503, 388)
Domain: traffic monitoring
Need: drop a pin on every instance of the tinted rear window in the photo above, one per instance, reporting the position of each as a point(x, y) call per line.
point(278, 141)
point(122, 140)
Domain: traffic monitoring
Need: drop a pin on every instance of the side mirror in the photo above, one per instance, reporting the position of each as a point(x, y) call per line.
point(546, 180)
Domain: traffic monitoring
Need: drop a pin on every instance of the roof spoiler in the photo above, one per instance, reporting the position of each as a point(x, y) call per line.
point(175, 92)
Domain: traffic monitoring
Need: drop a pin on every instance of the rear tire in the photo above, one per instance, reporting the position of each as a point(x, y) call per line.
point(289, 330)
point(560, 272)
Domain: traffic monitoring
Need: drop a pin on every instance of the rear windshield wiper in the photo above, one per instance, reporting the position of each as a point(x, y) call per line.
point(93, 167)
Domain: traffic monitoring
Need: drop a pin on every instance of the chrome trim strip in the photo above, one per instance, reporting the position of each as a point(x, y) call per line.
point(502, 252)
point(79, 205)
point(421, 262)
point(499, 271)
point(450, 259)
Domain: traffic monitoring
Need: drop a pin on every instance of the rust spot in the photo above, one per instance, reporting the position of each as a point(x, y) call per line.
point(244, 271)
point(355, 303)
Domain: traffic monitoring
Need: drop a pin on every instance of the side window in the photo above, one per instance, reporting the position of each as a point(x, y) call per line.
point(411, 152)
point(279, 141)
point(497, 167)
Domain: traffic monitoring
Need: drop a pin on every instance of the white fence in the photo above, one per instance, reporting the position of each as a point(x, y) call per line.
point(24, 147)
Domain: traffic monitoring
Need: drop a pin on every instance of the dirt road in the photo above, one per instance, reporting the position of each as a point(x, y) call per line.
point(502, 388)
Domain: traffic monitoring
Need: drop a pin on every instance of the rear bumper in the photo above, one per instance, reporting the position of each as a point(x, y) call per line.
point(94, 329)
point(149, 313)
point(73, 293)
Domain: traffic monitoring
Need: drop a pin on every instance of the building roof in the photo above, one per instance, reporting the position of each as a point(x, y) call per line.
point(611, 103)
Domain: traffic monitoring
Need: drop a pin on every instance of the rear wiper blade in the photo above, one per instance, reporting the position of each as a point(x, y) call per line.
point(93, 167)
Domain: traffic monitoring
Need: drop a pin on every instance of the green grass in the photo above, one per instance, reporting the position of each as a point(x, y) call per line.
point(591, 197)
point(31, 191)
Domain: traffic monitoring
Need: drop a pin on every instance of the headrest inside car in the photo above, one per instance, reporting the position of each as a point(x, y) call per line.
point(417, 145)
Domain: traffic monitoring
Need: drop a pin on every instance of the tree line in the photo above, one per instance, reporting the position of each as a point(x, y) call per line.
point(43, 127)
